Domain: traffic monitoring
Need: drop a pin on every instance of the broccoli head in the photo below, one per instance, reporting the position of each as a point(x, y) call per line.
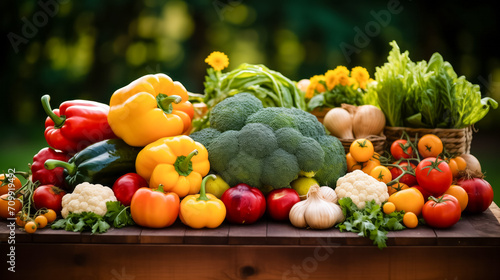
point(205, 136)
point(231, 113)
point(335, 165)
point(257, 140)
point(281, 168)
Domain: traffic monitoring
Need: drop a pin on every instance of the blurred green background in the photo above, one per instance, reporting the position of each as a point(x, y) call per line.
point(87, 49)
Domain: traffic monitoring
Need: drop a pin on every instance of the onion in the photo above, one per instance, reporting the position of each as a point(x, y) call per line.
point(339, 123)
point(473, 167)
point(479, 192)
point(368, 120)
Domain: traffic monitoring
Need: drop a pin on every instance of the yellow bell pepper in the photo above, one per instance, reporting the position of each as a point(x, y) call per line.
point(178, 163)
point(144, 111)
point(202, 210)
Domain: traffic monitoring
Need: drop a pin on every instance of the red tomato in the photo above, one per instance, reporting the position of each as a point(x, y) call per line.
point(407, 179)
point(401, 149)
point(280, 201)
point(125, 187)
point(48, 196)
point(244, 204)
point(442, 212)
point(434, 176)
point(480, 194)
point(424, 193)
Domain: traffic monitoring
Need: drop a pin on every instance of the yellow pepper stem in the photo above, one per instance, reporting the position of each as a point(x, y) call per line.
point(203, 194)
point(183, 164)
point(165, 102)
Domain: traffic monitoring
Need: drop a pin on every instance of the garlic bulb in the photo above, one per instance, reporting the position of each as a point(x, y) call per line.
point(339, 123)
point(315, 211)
point(328, 194)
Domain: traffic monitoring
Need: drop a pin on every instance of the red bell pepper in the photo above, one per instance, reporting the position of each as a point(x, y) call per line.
point(76, 124)
point(45, 176)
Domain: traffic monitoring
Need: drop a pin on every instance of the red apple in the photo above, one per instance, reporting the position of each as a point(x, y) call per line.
point(279, 203)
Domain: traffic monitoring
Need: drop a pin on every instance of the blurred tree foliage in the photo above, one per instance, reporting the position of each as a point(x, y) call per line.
point(87, 49)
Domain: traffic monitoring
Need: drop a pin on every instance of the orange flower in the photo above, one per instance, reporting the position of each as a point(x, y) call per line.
point(218, 60)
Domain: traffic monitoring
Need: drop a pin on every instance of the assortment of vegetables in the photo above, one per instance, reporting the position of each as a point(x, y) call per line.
point(143, 160)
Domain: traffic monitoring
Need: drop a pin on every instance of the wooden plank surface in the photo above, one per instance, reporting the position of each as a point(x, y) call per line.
point(472, 230)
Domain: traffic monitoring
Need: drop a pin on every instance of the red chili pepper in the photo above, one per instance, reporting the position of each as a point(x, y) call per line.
point(45, 176)
point(76, 124)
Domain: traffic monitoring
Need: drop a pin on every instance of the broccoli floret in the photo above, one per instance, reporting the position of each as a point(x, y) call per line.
point(335, 165)
point(275, 117)
point(280, 169)
point(205, 136)
point(231, 113)
point(244, 168)
point(222, 149)
point(288, 139)
point(257, 140)
point(307, 123)
point(310, 155)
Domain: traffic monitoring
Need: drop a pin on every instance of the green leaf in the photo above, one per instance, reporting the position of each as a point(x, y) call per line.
point(59, 224)
point(118, 215)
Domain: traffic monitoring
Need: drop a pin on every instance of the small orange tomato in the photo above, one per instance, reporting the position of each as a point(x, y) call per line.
point(430, 146)
point(9, 206)
point(9, 182)
point(388, 208)
point(40, 221)
point(154, 208)
point(396, 188)
point(410, 220)
point(352, 164)
point(50, 215)
point(21, 218)
point(461, 163)
point(408, 200)
point(453, 167)
point(361, 150)
point(382, 174)
point(30, 227)
point(460, 194)
point(373, 162)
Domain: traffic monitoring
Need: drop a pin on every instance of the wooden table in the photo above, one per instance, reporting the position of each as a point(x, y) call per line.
point(265, 250)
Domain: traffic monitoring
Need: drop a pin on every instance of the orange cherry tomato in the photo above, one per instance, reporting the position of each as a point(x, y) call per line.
point(30, 227)
point(352, 164)
point(51, 215)
point(460, 194)
point(453, 167)
point(410, 220)
point(21, 219)
point(41, 221)
point(396, 188)
point(9, 206)
point(461, 163)
point(388, 208)
point(430, 146)
point(154, 208)
point(382, 174)
point(9, 182)
point(361, 150)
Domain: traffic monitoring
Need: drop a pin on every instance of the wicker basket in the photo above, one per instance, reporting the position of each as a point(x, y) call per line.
point(320, 113)
point(378, 142)
point(455, 141)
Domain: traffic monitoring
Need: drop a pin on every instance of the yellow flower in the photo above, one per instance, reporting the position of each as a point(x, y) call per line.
point(218, 60)
point(315, 86)
point(361, 75)
point(344, 80)
point(331, 79)
point(341, 71)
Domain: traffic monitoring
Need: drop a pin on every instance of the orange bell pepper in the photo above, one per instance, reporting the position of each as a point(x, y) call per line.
point(148, 109)
point(154, 208)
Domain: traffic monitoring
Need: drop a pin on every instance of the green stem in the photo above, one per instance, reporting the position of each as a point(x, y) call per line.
point(160, 189)
point(53, 163)
point(58, 120)
point(184, 165)
point(203, 194)
point(165, 102)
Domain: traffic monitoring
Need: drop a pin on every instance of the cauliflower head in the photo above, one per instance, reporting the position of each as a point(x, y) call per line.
point(87, 198)
point(361, 188)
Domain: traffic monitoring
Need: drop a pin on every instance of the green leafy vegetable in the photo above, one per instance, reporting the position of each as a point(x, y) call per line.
point(335, 97)
point(117, 215)
point(369, 222)
point(427, 94)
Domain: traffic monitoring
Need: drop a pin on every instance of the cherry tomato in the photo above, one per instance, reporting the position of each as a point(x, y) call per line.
point(453, 167)
point(48, 196)
point(361, 150)
point(41, 221)
point(9, 182)
point(51, 215)
point(381, 173)
point(408, 179)
point(434, 176)
point(460, 194)
point(461, 163)
point(9, 206)
point(369, 165)
point(410, 220)
point(21, 218)
point(30, 227)
point(125, 187)
point(396, 187)
point(442, 212)
point(352, 164)
point(401, 149)
point(388, 208)
point(430, 146)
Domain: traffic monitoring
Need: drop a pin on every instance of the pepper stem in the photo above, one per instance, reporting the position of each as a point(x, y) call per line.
point(165, 102)
point(183, 164)
point(58, 120)
point(160, 189)
point(53, 163)
point(203, 194)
